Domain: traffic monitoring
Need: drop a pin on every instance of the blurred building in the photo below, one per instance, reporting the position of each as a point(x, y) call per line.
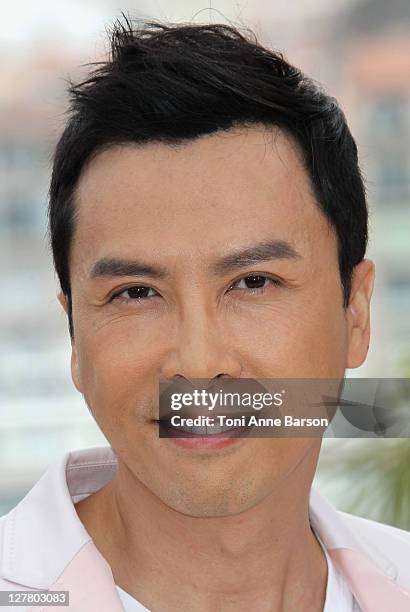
point(40, 412)
point(358, 49)
point(370, 51)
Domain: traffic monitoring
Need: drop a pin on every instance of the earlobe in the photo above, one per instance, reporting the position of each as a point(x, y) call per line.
point(358, 313)
point(75, 370)
point(63, 301)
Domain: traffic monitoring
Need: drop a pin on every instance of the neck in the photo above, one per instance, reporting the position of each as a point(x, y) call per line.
point(265, 554)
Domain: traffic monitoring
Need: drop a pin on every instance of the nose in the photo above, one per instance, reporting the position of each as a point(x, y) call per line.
point(200, 350)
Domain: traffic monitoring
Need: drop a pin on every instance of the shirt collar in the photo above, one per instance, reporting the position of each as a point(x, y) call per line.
point(43, 532)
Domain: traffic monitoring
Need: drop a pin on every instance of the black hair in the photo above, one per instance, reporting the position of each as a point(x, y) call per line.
point(172, 83)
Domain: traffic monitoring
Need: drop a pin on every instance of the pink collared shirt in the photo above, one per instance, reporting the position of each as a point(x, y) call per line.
point(44, 545)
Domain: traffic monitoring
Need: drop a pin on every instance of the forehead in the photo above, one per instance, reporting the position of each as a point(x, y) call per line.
point(245, 184)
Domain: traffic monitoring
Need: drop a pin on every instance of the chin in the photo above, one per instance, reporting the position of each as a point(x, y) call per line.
point(207, 502)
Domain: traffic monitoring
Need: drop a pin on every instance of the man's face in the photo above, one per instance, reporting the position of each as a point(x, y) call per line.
point(179, 211)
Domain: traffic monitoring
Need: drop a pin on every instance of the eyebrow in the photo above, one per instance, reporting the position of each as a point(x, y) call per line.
point(112, 266)
point(260, 252)
point(263, 251)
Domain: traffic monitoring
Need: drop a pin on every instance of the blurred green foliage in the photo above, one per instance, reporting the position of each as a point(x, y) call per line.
point(373, 477)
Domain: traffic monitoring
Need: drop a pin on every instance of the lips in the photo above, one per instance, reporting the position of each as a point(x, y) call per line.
point(215, 428)
point(206, 430)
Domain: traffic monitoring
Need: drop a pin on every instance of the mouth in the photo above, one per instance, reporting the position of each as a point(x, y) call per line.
point(237, 426)
point(206, 430)
point(203, 438)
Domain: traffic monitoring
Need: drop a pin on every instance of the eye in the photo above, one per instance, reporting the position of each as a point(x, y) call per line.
point(134, 294)
point(255, 283)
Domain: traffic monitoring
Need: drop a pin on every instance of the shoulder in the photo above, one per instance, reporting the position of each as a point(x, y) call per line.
point(385, 543)
point(5, 551)
point(391, 536)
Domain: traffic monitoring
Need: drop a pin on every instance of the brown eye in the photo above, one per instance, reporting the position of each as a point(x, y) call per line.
point(137, 292)
point(134, 293)
point(254, 281)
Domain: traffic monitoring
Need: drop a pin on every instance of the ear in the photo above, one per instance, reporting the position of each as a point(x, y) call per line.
point(358, 313)
point(75, 370)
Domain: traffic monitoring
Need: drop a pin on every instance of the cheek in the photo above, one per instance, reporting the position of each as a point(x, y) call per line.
point(327, 335)
point(118, 371)
point(117, 347)
point(298, 339)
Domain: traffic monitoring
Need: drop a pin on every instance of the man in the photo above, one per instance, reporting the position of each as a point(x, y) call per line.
point(208, 220)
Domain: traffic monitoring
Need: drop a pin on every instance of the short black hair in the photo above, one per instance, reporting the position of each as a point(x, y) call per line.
point(172, 83)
